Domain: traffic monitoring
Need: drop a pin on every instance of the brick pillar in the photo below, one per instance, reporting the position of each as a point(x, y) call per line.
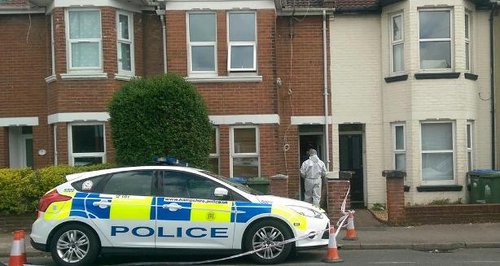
point(395, 195)
point(336, 192)
point(279, 185)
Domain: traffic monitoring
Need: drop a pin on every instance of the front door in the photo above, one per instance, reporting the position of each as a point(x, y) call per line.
point(351, 159)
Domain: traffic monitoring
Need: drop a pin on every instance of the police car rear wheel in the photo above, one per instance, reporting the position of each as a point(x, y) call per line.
point(74, 245)
point(266, 237)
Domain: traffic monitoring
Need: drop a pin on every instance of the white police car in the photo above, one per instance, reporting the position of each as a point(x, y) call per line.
point(169, 208)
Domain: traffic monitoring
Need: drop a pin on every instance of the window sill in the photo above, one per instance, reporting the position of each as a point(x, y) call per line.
point(84, 76)
point(223, 79)
point(396, 78)
point(440, 75)
point(471, 76)
point(439, 188)
point(50, 78)
point(125, 77)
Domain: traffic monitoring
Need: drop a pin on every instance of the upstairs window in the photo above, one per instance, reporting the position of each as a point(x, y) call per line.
point(467, 42)
point(242, 41)
point(397, 44)
point(435, 39)
point(202, 43)
point(125, 43)
point(84, 40)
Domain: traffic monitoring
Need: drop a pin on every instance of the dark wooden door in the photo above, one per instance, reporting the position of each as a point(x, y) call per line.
point(351, 159)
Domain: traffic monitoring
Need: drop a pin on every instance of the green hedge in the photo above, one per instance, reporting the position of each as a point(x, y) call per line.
point(160, 116)
point(20, 189)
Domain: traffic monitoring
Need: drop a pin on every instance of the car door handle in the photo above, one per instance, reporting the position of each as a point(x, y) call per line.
point(172, 207)
point(102, 204)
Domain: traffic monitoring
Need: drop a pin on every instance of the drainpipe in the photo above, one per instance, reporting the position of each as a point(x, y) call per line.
point(162, 14)
point(492, 89)
point(325, 92)
point(55, 144)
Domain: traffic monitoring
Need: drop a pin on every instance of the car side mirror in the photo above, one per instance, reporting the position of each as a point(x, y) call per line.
point(221, 192)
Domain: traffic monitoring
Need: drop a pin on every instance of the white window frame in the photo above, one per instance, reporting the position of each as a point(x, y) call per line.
point(244, 155)
point(439, 182)
point(217, 148)
point(205, 43)
point(241, 43)
point(397, 42)
point(73, 155)
point(467, 36)
point(92, 40)
point(469, 145)
point(450, 40)
point(397, 151)
point(130, 41)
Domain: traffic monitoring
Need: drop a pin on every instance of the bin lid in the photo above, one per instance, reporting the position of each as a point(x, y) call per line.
point(258, 180)
point(485, 173)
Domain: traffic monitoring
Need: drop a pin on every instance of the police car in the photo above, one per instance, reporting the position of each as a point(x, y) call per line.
point(164, 208)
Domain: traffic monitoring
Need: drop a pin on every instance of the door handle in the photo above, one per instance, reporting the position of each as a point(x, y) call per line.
point(172, 207)
point(102, 204)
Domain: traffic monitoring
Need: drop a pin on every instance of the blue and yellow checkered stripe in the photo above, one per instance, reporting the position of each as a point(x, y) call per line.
point(87, 205)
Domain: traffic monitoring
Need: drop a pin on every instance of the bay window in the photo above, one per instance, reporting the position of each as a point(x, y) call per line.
point(397, 43)
point(86, 144)
point(213, 162)
point(84, 40)
point(467, 42)
point(125, 43)
point(437, 152)
point(245, 152)
point(470, 160)
point(435, 39)
point(399, 145)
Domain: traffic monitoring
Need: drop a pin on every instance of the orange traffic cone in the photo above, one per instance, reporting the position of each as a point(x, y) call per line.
point(18, 252)
point(332, 256)
point(351, 232)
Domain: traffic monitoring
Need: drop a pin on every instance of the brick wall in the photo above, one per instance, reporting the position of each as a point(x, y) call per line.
point(446, 214)
point(299, 65)
point(337, 189)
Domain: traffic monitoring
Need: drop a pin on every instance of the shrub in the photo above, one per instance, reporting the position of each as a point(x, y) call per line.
point(160, 116)
point(20, 189)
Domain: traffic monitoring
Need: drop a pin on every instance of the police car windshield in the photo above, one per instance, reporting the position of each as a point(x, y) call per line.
point(234, 182)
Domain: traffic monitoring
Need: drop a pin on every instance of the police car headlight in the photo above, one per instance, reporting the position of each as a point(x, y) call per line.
point(306, 211)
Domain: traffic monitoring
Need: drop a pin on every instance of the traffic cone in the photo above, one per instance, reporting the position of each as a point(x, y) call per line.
point(332, 255)
point(351, 232)
point(18, 252)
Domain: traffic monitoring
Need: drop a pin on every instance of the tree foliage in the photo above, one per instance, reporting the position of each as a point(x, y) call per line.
point(160, 116)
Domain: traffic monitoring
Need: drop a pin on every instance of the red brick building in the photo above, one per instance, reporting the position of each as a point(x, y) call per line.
point(262, 67)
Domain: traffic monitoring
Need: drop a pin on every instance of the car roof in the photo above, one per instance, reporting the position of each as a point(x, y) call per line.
point(83, 175)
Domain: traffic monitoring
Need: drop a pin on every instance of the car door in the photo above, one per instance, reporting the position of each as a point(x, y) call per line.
point(122, 211)
point(190, 216)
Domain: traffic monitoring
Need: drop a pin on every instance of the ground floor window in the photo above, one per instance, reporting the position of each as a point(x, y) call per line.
point(437, 152)
point(399, 146)
point(245, 152)
point(86, 144)
point(470, 159)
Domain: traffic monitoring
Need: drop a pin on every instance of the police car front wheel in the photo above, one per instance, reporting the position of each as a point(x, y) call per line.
point(74, 245)
point(265, 237)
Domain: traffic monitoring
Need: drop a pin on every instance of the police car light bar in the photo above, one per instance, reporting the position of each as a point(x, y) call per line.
point(168, 160)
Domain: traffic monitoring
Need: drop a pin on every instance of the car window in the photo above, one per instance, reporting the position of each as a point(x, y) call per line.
point(88, 184)
point(130, 183)
point(187, 185)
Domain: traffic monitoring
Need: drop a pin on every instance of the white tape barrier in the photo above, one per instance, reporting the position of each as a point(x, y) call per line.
point(340, 223)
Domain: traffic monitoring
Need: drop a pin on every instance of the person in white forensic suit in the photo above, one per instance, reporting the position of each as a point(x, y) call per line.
point(313, 170)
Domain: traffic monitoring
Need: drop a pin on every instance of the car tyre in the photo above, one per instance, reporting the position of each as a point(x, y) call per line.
point(74, 245)
point(267, 233)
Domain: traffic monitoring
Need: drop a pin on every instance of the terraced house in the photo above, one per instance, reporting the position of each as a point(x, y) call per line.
point(411, 90)
point(261, 66)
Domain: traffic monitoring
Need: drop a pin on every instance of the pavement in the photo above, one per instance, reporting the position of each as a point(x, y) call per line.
point(373, 234)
